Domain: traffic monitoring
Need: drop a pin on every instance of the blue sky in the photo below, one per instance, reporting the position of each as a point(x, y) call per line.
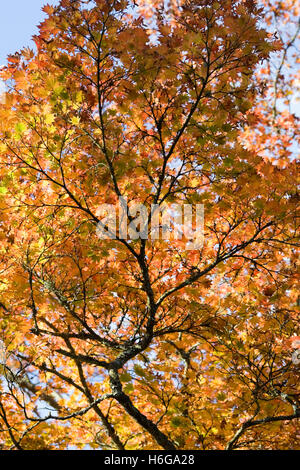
point(18, 22)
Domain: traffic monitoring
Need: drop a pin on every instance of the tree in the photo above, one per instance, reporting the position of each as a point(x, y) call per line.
point(140, 343)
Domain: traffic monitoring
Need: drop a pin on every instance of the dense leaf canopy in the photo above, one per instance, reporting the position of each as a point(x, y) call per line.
point(145, 344)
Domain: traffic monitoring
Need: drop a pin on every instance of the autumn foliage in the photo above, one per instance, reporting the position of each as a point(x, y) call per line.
point(143, 344)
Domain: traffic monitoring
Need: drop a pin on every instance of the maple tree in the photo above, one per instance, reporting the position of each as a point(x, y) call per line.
point(144, 344)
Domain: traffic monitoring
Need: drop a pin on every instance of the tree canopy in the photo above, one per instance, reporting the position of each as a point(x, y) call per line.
point(140, 343)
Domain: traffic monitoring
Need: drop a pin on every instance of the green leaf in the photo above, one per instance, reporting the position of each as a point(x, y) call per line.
point(20, 128)
point(221, 396)
point(139, 370)
point(125, 377)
